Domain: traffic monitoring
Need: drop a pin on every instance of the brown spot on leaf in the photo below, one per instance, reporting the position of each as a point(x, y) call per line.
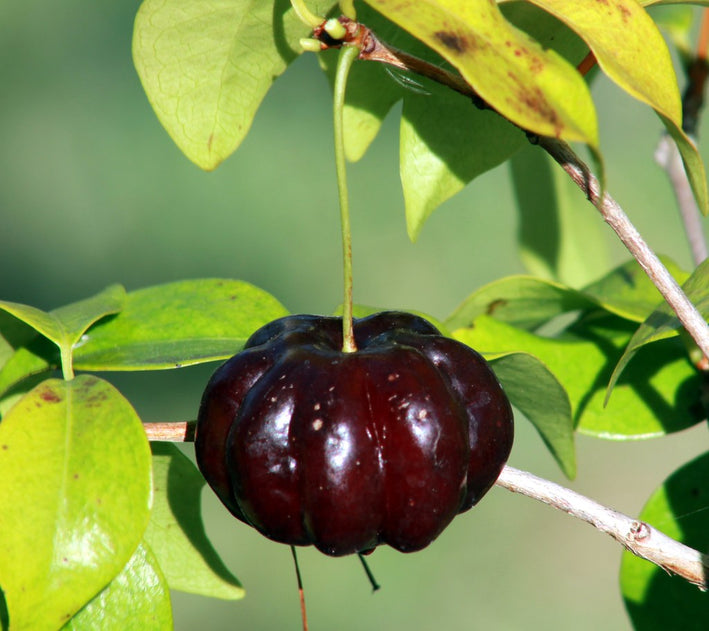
point(452, 41)
point(210, 141)
point(96, 399)
point(536, 65)
point(49, 396)
point(494, 305)
point(534, 99)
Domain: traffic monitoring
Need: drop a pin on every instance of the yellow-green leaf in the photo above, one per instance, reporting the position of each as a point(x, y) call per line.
point(443, 148)
point(176, 532)
point(659, 396)
point(534, 88)
point(630, 49)
point(536, 392)
point(178, 324)
point(140, 589)
point(206, 66)
point(75, 465)
point(65, 325)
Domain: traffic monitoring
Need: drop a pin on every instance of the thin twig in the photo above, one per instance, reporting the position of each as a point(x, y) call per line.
point(637, 536)
point(667, 155)
point(177, 432)
point(616, 218)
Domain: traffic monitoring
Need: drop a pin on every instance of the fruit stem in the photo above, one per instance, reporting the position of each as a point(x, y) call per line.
point(301, 592)
point(305, 15)
point(368, 572)
point(347, 56)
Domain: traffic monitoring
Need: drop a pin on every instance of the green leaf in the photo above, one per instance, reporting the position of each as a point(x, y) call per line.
point(75, 466)
point(176, 532)
point(39, 320)
point(535, 392)
point(36, 358)
point(528, 302)
point(662, 322)
point(15, 394)
point(534, 88)
point(66, 325)
point(206, 66)
point(23, 353)
point(628, 292)
point(648, 3)
point(655, 600)
point(13, 334)
point(440, 154)
point(659, 396)
point(554, 225)
point(523, 301)
point(178, 324)
point(138, 599)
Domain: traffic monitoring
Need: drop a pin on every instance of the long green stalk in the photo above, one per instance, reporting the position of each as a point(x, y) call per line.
point(347, 56)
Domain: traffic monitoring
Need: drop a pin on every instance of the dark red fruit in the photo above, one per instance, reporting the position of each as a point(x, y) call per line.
point(346, 451)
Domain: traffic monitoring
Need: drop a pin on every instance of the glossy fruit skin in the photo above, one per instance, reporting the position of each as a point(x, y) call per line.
point(347, 451)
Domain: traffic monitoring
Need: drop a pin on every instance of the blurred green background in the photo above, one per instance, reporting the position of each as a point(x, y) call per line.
point(93, 191)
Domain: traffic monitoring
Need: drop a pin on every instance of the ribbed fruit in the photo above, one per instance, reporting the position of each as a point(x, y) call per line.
point(346, 451)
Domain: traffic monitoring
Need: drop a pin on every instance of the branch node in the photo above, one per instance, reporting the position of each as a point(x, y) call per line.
point(639, 531)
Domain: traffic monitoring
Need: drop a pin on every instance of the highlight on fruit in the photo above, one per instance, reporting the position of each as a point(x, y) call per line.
point(347, 451)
